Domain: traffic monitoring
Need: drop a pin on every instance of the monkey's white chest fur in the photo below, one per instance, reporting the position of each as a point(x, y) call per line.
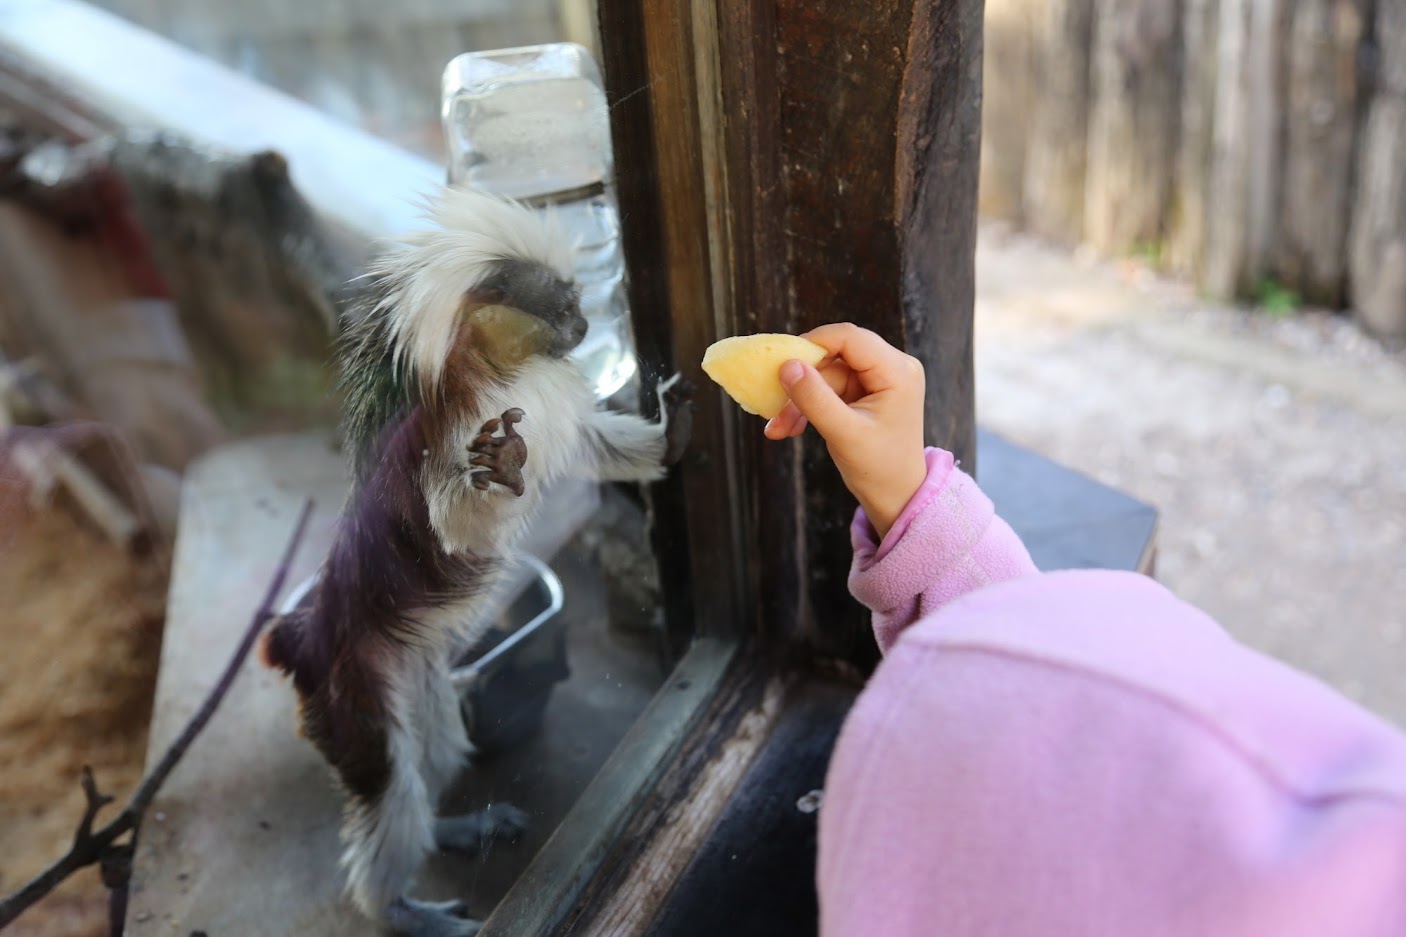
point(557, 403)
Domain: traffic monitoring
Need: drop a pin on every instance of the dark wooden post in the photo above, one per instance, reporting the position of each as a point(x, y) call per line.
point(783, 164)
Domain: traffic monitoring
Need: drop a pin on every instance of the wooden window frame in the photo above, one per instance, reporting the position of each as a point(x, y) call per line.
point(747, 208)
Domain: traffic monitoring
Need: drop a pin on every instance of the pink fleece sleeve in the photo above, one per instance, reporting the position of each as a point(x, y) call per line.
point(1083, 753)
point(947, 542)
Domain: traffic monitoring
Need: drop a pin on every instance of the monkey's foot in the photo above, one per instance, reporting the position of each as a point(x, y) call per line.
point(676, 410)
point(409, 918)
point(500, 457)
point(473, 832)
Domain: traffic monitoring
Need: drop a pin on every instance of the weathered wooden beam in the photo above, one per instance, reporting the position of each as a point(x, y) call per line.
point(668, 828)
point(1378, 238)
point(1009, 96)
point(649, 73)
point(880, 126)
point(1133, 122)
point(938, 160)
point(1190, 204)
point(1321, 105)
point(566, 874)
point(1056, 166)
point(783, 165)
point(1245, 184)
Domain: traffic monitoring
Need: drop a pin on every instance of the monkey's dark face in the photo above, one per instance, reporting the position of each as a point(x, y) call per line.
point(538, 291)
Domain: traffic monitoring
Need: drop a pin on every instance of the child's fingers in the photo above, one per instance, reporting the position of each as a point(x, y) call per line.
point(786, 424)
point(780, 426)
point(815, 400)
point(839, 376)
point(878, 363)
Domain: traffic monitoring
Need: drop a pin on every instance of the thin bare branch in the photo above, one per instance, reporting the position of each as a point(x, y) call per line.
point(89, 847)
point(96, 801)
point(153, 781)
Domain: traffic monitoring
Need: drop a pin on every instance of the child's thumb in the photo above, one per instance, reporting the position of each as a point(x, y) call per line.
point(814, 398)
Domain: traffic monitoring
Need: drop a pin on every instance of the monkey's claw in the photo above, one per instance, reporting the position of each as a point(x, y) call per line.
point(676, 410)
point(500, 458)
point(474, 832)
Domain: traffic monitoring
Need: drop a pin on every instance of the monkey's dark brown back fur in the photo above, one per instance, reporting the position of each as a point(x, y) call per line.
point(385, 565)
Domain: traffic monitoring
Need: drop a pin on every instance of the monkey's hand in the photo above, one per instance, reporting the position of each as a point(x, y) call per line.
point(676, 413)
point(500, 458)
point(473, 833)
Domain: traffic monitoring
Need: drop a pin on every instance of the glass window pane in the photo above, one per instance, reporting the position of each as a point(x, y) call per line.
point(180, 300)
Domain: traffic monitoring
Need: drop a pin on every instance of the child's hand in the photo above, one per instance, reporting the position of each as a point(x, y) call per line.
point(866, 400)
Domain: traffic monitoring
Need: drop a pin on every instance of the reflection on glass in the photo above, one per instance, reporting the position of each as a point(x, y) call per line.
point(532, 124)
point(528, 122)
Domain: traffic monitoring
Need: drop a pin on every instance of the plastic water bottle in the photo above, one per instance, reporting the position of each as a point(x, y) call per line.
point(531, 123)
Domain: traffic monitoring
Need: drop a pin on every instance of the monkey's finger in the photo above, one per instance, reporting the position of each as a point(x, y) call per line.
point(512, 416)
point(491, 427)
point(512, 482)
point(483, 460)
point(481, 481)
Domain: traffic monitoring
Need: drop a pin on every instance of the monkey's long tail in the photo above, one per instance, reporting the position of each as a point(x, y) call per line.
point(278, 647)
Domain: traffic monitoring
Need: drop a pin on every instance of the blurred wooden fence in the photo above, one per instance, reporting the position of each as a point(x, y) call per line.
point(1243, 143)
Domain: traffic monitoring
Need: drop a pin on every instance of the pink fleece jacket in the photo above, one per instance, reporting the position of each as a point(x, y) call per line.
point(1081, 753)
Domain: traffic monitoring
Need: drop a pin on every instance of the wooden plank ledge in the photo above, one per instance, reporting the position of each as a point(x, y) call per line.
point(243, 837)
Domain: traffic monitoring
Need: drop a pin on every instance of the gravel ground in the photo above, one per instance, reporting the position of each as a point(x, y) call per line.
point(1275, 448)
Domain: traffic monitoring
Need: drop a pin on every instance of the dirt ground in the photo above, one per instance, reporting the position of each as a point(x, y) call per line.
point(80, 634)
point(1273, 446)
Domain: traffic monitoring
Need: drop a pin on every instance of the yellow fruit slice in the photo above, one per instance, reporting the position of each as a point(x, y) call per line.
point(747, 366)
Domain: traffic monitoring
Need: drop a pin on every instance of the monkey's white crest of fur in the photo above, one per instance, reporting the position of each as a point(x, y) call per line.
point(428, 273)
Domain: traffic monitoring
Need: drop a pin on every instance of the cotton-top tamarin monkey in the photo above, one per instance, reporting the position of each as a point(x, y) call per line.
point(462, 409)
